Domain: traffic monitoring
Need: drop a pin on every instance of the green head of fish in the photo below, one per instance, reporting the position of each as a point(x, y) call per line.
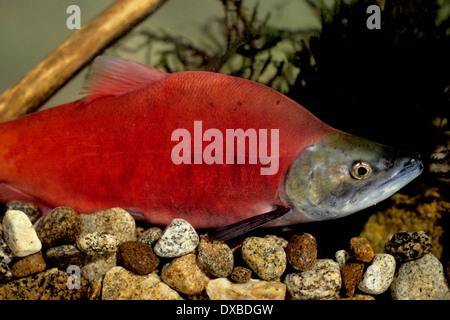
point(344, 174)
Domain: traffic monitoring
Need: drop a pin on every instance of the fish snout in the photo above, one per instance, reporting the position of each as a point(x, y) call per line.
point(414, 161)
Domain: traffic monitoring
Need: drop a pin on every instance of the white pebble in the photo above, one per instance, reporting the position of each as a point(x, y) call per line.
point(379, 274)
point(224, 289)
point(19, 234)
point(178, 239)
point(342, 256)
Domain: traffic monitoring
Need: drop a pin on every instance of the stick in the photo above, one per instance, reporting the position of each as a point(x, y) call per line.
point(72, 55)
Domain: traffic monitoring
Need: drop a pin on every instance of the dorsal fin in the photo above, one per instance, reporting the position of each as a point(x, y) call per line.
point(111, 76)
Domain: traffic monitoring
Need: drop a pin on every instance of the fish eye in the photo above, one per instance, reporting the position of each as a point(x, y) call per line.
point(361, 170)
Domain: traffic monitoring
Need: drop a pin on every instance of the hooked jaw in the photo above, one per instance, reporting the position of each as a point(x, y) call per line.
point(344, 174)
point(411, 169)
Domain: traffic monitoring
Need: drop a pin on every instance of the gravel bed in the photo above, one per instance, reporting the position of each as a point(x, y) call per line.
point(107, 255)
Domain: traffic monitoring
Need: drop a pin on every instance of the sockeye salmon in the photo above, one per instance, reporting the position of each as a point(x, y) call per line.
point(182, 145)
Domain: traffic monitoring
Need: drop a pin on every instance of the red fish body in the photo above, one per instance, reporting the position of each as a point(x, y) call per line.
point(113, 148)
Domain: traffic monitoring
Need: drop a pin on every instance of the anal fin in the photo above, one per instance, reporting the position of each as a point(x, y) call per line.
point(136, 214)
point(241, 227)
point(9, 193)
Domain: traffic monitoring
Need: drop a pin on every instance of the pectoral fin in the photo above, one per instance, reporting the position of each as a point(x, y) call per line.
point(241, 227)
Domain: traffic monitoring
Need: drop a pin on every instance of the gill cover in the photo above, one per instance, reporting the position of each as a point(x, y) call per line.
point(343, 174)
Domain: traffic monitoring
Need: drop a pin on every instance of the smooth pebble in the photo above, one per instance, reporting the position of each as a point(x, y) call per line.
point(97, 243)
point(28, 265)
point(421, 279)
point(62, 225)
point(64, 256)
point(342, 256)
point(321, 282)
point(30, 209)
point(352, 273)
point(224, 289)
point(405, 246)
point(138, 257)
point(215, 257)
point(361, 249)
point(150, 236)
point(265, 257)
point(184, 275)
point(241, 274)
point(301, 251)
point(115, 221)
point(96, 266)
point(122, 284)
point(19, 234)
point(379, 274)
point(178, 239)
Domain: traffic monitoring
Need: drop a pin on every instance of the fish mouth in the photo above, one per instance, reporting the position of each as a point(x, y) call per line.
point(411, 169)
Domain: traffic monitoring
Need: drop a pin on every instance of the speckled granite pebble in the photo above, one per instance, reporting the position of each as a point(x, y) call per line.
point(48, 285)
point(150, 236)
point(97, 243)
point(322, 281)
point(214, 257)
point(265, 257)
point(115, 221)
point(178, 239)
point(19, 234)
point(224, 289)
point(279, 240)
point(97, 266)
point(184, 275)
point(28, 265)
point(61, 225)
point(361, 249)
point(121, 284)
point(421, 279)
point(138, 257)
point(301, 251)
point(64, 256)
point(342, 256)
point(241, 274)
point(30, 209)
point(5, 273)
point(6, 254)
point(352, 273)
point(405, 246)
point(379, 274)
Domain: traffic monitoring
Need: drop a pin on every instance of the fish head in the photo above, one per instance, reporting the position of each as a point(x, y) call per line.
point(343, 174)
